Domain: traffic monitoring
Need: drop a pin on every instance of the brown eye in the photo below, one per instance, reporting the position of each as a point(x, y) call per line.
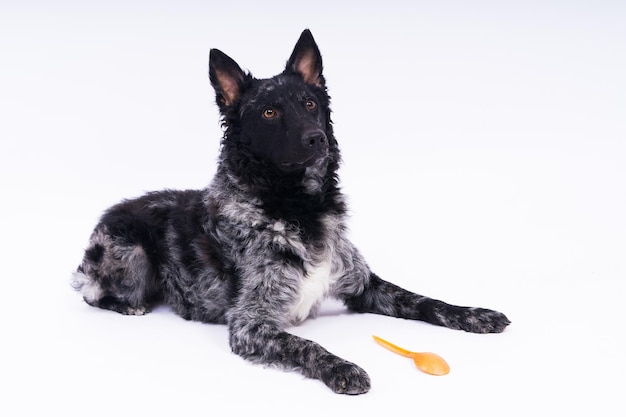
point(310, 105)
point(269, 113)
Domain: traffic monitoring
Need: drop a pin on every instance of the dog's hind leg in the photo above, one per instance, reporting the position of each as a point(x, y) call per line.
point(116, 276)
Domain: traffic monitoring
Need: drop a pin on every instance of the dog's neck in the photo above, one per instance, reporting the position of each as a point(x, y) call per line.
point(297, 198)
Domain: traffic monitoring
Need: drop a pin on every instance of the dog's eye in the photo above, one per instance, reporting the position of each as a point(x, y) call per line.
point(269, 113)
point(310, 104)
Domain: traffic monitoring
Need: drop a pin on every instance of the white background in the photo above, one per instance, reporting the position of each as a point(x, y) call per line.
point(484, 147)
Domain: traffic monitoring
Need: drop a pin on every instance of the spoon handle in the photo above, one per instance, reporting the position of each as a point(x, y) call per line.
point(394, 348)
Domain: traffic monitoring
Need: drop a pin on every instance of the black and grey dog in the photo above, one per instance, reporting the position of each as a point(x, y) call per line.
point(265, 242)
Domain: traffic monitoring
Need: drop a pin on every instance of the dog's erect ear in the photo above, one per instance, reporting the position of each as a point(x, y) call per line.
point(226, 77)
point(306, 60)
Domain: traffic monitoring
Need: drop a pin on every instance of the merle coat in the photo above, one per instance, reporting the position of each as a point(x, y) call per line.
point(265, 242)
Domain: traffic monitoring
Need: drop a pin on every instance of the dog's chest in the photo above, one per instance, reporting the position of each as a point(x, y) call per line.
point(313, 288)
point(315, 280)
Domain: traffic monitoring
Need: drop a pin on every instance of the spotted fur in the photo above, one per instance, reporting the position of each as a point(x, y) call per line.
point(265, 242)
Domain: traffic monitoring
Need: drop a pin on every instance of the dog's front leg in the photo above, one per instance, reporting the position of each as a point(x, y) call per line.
point(260, 341)
point(382, 297)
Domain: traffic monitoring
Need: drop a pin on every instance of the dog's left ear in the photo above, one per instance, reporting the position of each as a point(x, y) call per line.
point(306, 60)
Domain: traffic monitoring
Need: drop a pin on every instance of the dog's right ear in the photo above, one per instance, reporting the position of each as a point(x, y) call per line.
point(226, 77)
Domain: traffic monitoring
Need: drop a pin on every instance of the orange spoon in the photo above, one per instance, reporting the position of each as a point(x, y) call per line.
point(428, 362)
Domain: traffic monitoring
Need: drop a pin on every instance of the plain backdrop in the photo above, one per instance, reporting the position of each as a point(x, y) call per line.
point(484, 147)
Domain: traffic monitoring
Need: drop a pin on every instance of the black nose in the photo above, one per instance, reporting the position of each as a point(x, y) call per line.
point(314, 139)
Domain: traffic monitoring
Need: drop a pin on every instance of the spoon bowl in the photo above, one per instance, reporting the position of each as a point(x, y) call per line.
point(431, 363)
point(428, 362)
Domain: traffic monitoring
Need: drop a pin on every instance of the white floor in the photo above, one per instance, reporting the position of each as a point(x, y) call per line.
point(484, 150)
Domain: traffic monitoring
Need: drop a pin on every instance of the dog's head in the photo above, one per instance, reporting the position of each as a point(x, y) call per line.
point(281, 122)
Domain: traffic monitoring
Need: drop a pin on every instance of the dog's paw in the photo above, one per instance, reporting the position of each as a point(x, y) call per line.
point(481, 320)
point(347, 378)
point(135, 311)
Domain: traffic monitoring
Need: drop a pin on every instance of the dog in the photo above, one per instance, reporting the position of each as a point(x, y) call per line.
point(265, 242)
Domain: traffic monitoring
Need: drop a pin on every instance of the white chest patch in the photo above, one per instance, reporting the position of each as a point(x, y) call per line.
point(313, 289)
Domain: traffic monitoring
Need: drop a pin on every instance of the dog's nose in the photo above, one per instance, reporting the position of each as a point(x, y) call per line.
point(314, 139)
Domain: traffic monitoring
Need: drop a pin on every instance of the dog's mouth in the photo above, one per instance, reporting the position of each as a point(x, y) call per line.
point(296, 164)
point(305, 163)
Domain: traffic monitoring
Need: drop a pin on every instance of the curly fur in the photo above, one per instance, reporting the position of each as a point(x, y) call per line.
point(265, 242)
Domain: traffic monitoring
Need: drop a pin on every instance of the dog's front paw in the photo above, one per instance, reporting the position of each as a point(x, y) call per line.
point(481, 320)
point(346, 378)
